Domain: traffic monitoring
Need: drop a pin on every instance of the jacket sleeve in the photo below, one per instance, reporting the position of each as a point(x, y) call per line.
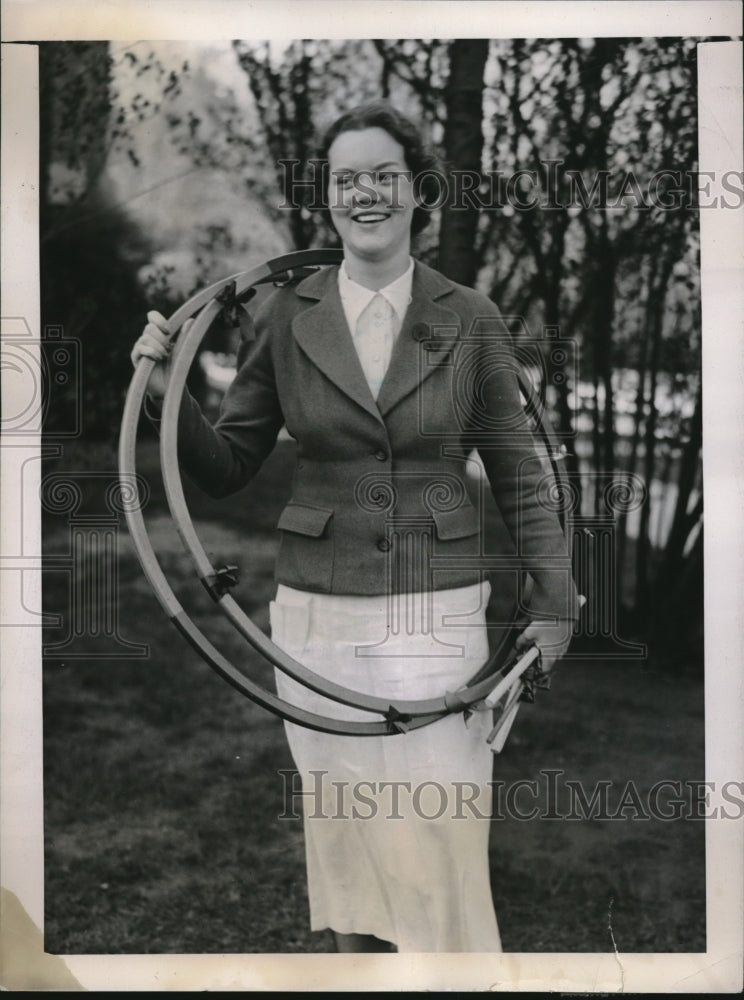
point(223, 457)
point(500, 430)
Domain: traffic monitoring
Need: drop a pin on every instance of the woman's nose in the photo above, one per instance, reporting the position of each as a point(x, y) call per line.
point(365, 190)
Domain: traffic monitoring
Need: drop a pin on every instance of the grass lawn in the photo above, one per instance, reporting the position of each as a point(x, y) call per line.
point(163, 786)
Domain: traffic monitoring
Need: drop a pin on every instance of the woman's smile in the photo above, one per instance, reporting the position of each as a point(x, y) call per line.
point(371, 198)
point(370, 218)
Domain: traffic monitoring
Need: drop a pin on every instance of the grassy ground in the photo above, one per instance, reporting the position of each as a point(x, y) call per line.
point(163, 786)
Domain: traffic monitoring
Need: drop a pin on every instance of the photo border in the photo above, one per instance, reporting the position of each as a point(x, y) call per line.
point(719, 969)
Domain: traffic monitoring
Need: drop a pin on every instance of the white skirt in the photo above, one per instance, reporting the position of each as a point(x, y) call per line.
point(396, 827)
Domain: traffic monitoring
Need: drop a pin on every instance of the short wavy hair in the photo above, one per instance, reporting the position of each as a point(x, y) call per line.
point(421, 159)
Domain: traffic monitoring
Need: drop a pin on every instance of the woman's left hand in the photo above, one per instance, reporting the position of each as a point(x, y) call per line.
point(551, 638)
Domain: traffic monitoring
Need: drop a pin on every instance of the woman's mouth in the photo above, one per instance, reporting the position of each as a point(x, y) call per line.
point(368, 218)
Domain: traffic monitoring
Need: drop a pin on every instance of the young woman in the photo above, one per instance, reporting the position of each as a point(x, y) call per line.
point(387, 374)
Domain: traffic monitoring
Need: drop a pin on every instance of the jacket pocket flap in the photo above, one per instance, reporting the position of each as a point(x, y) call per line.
point(456, 523)
point(304, 519)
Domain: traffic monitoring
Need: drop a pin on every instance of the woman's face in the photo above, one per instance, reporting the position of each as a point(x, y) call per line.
point(370, 193)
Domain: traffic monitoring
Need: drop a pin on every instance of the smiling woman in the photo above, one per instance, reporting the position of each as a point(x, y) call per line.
point(411, 159)
point(371, 206)
point(387, 374)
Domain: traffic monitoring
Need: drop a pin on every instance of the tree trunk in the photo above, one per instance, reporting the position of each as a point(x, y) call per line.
point(463, 147)
point(649, 459)
point(683, 522)
point(604, 318)
point(596, 434)
point(622, 521)
point(557, 370)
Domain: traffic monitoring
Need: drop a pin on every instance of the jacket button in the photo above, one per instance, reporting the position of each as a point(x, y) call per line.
point(420, 331)
point(383, 545)
point(381, 455)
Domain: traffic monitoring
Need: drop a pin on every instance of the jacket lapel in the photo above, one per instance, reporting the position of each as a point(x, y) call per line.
point(323, 334)
point(429, 330)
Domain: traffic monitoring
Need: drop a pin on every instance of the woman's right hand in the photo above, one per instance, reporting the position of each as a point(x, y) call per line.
point(154, 342)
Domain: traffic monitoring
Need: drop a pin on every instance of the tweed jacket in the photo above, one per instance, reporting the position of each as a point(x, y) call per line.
point(379, 503)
